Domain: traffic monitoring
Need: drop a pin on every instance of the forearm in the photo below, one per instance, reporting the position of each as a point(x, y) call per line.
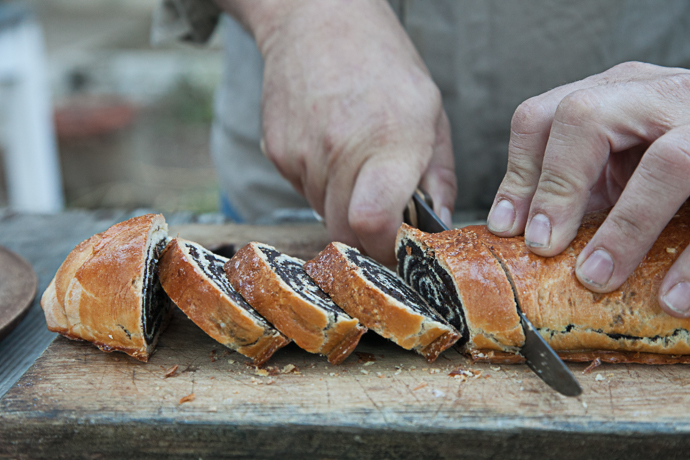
point(263, 18)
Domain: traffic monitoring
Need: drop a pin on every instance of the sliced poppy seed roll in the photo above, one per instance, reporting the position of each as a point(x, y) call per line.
point(194, 279)
point(107, 290)
point(380, 300)
point(277, 286)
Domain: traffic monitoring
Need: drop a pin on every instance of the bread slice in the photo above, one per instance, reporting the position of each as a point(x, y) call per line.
point(194, 279)
point(626, 325)
point(460, 278)
point(380, 300)
point(107, 291)
point(278, 288)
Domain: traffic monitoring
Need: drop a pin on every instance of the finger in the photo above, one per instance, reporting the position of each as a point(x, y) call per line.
point(529, 135)
point(674, 292)
point(530, 128)
point(337, 196)
point(653, 195)
point(588, 125)
point(439, 179)
point(382, 189)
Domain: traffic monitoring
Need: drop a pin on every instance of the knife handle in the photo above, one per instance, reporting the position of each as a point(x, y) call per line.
point(410, 212)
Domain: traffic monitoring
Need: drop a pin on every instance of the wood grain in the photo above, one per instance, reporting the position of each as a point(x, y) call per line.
point(78, 402)
point(398, 403)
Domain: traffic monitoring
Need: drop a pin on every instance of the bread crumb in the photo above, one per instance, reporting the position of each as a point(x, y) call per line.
point(671, 250)
point(289, 368)
point(437, 393)
point(495, 368)
point(188, 398)
point(231, 361)
point(522, 388)
point(368, 363)
point(171, 372)
point(397, 372)
point(365, 357)
point(213, 409)
point(433, 370)
point(420, 386)
point(364, 371)
point(599, 378)
point(332, 374)
point(261, 372)
point(380, 375)
point(590, 368)
point(584, 404)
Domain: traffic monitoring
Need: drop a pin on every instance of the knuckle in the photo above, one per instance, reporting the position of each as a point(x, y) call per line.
point(629, 67)
point(673, 87)
point(560, 185)
point(520, 175)
point(578, 107)
point(626, 228)
point(531, 117)
point(671, 154)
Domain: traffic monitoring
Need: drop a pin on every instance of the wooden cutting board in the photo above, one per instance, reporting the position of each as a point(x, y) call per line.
point(17, 290)
point(382, 402)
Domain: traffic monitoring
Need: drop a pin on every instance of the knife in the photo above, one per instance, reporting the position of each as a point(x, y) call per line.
point(539, 355)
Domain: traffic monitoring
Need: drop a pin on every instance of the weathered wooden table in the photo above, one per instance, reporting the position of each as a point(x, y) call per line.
point(383, 402)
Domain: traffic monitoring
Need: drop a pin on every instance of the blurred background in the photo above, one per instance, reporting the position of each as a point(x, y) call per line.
point(131, 121)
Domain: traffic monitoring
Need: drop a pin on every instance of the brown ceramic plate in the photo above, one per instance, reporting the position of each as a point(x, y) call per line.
point(18, 284)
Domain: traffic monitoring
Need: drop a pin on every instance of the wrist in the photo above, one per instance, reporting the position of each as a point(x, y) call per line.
point(265, 19)
point(262, 18)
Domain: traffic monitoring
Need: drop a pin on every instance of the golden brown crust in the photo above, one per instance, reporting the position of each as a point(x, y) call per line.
point(96, 293)
point(487, 297)
point(570, 317)
point(342, 280)
point(308, 325)
point(212, 309)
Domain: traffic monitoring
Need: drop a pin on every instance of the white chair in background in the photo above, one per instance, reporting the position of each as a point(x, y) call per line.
point(27, 133)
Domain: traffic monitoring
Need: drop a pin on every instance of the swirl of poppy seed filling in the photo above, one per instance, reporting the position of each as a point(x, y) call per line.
point(390, 284)
point(212, 266)
point(291, 271)
point(433, 283)
point(155, 302)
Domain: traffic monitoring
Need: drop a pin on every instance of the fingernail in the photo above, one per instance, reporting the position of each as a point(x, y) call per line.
point(446, 216)
point(678, 298)
point(502, 217)
point(538, 234)
point(597, 269)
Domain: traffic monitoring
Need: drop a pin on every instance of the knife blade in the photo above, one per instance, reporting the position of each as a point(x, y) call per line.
point(540, 357)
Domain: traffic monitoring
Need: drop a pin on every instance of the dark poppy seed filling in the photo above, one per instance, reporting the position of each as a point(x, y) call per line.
point(212, 266)
point(390, 284)
point(156, 302)
point(433, 283)
point(290, 270)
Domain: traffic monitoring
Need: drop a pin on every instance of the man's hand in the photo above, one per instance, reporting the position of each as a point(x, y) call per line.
point(351, 116)
point(620, 138)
